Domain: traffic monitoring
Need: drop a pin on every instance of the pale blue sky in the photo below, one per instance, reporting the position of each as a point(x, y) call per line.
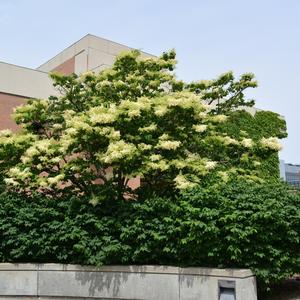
point(210, 37)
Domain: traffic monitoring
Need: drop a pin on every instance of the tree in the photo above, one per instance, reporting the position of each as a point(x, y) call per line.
point(134, 119)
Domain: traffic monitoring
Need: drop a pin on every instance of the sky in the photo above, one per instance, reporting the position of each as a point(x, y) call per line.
point(210, 37)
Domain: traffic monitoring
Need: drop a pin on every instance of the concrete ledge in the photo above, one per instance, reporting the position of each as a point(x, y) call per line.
point(236, 273)
point(58, 281)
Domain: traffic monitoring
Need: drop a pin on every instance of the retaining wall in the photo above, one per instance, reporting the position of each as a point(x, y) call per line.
point(58, 281)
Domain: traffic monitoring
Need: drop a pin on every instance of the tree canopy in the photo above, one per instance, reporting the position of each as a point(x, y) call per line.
point(134, 119)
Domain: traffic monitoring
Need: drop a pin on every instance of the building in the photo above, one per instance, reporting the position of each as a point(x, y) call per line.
point(290, 173)
point(91, 53)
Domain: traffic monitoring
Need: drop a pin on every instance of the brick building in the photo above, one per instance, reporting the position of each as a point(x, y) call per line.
point(91, 53)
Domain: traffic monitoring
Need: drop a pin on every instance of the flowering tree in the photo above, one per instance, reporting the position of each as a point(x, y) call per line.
point(133, 120)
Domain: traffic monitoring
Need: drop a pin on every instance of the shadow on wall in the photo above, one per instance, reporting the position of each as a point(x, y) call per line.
point(108, 282)
point(113, 283)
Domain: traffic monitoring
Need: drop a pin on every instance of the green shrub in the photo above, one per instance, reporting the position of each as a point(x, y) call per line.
point(250, 226)
point(238, 225)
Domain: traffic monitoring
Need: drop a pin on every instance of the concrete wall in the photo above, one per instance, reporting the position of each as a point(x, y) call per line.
point(121, 282)
point(25, 82)
point(90, 53)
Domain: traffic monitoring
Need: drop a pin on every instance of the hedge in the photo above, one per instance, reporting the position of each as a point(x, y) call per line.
point(239, 225)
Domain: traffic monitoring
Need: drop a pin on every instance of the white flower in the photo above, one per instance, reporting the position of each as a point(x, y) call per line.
point(55, 180)
point(219, 118)
point(43, 145)
point(224, 175)
point(134, 113)
point(118, 150)
point(16, 172)
point(202, 115)
point(179, 164)
point(11, 181)
point(55, 160)
point(230, 141)
point(114, 135)
point(161, 111)
point(71, 131)
point(200, 128)
point(5, 132)
point(271, 143)
point(134, 108)
point(155, 157)
point(57, 126)
point(247, 143)
point(103, 115)
point(168, 145)
point(102, 118)
point(182, 183)
point(209, 165)
point(65, 143)
point(144, 147)
point(149, 128)
point(158, 165)
point(164, 137)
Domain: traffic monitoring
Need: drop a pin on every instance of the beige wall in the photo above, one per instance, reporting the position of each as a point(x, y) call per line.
point(25, 82)
point(90, 52)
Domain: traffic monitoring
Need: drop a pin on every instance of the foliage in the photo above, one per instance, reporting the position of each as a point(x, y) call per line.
point(234, 225)
point(133, 120)
point(262, 124)
point(225, 94)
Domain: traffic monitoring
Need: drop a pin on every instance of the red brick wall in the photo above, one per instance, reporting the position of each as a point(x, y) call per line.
point(67, 67)
point(7, 104)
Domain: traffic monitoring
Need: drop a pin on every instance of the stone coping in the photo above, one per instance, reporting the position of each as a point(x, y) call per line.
point(236, 273)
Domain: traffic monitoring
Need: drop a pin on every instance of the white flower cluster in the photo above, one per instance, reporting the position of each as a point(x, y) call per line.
point(157, 165)
point(11, 181)
point(247, 143)
point(134, 108)
point(182, 183)
point(229, 141)
point(165, 143)
point(36, 149)
point(219, 118)
point(155, 157)
point(271, 143)
point(224, 175)
point(117, 151)
point(179, 164)
point(78, 123)
point(184, 100)
point(103, 115)
point(151, 127)
point(160, 110)
point(5, 133)
point(168, 145)
point(55, 180)
point(202, 115)
point(17, 173)
point(210, 165)
point(144, 147)
point(103, 83)
point(200, 128)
